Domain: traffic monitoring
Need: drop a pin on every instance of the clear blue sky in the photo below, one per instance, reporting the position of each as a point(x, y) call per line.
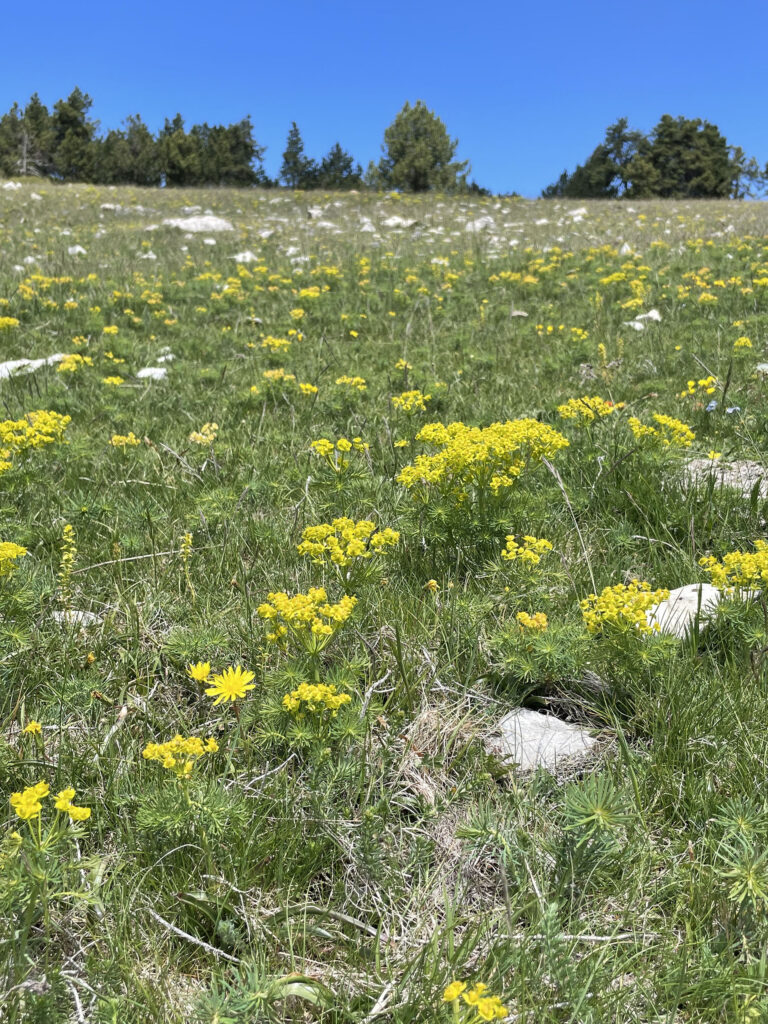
point(528, 89)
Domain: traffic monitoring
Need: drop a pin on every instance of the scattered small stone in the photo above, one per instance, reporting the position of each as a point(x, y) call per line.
point(531, 740)
point(245, 257)
point(76, 250)
point(75, 617)
point(152, 373)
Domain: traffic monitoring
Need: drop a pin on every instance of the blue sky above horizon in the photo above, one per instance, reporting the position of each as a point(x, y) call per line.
point(527, 89)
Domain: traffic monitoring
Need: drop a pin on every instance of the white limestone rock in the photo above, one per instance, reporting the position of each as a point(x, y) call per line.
point(16, 366)
point(245, 257)
point(531, 740)
point(76, 250)
point(741, 474)
point(76, 617)
point(199, 224)
point(153, 373)
point(677, 614)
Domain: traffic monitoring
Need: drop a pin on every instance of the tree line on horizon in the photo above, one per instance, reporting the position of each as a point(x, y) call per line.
point(65, 144)
point(679, 158)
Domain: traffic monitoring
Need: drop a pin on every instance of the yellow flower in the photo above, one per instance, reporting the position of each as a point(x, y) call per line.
point(111, 329)
point(180, 754)
point(199, 671)
point(33, 728)
point(206, 435)
point(453, 991)
point(432, 585)
point(124, 440)
point(622, 607)
point(114, 382)
point(537, 622)
point(230, 684)
point(315, 697)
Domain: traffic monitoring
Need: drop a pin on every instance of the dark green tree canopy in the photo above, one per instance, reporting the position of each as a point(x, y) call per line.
point(682, 158)
point(418, 154)
point(297, 169)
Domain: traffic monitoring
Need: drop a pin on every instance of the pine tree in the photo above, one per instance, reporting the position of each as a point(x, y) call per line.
point(338, 170)
point(74, 152)
point(418, 153)
point(297, 170)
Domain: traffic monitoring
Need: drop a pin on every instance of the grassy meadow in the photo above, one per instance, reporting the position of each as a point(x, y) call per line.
point(283, 537)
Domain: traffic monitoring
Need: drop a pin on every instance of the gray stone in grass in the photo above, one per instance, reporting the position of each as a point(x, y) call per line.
point(75, 617)
point(741, 475)
point(531, 740)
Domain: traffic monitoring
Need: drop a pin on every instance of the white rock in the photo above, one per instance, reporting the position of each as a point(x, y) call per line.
point(481, 224)
point(625, 250)
point(198, 224)
point(652, 314)
point(148, 255)
point(742, 474)
point(531, 740)
point(110, 206)
point(14, 366)
point(75, 617)
point(580, 212)
point(76, 250)
point(761, 368)
point(634, 324)
point(677, 614)
point(12, 186)
point(209, 241)
point(29, 260)
point(167, 358)
point(36, 196)
point(266, 233)
point(191, 209)
point(152, 373)
point(314, 212)
point(245, 257)
point(396, 221)
point(517, 312)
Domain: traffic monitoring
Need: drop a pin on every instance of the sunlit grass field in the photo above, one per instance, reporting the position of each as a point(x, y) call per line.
point(297, 513)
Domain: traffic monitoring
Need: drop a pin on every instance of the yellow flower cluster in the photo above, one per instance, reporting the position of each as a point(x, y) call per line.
point(113, 382)
point(355, 383)
point(128, 440)
point(480, 457)
point(742, 342)
point(27, 804)
point(706, 386)
point(32, 431)
point(231, 684)
point(411, 401)
point(8, 321)
point(344, 540)
point(180, 755)
point(669, 432)
point(537, 622)
point(487, 1007)
point(205, 435)
point(67, 563)
point(309, 617)
point(73, 362)
point(530, 552)
point(275, 344)
point(587, 409)
point(622, 607)
point(9, 552)
point(314, 697)
point(336, 454)
point(278, 379)
point(739, 570)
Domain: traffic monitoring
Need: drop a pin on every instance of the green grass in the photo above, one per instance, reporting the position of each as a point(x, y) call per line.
point(348, 868)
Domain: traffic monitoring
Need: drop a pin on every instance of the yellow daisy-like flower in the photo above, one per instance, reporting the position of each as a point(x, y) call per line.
point(33, 727)
point(199, 671)
point(230, 684)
